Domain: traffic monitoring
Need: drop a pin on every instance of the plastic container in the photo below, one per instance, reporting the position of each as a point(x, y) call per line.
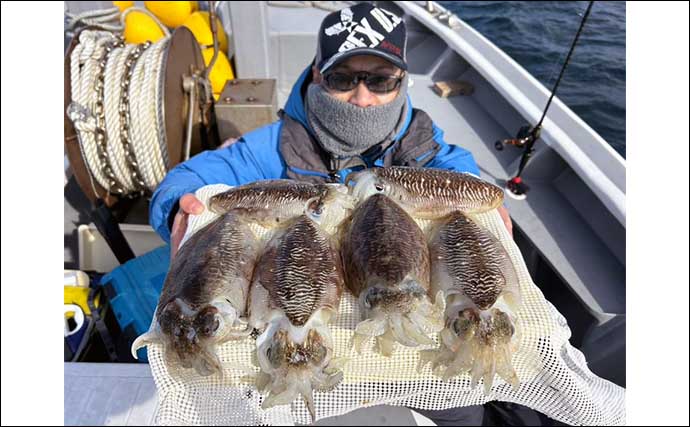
point(133, 290)
point(95, 254)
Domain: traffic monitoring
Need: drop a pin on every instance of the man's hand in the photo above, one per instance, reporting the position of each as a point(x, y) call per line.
point(506, 219)
point(189, 204)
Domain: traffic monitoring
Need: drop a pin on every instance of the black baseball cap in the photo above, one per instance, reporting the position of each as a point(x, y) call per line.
point(362, 29)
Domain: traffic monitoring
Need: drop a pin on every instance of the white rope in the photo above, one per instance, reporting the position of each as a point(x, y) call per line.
point(113, 90)
point(160, 111)
point(84, 67)
point(75, 111)
point(135, 116)
point(143, 116)
point(154, 66)
point(145, 128)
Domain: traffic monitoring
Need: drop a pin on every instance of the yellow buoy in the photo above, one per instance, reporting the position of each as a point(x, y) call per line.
point(200, 25)
point(221, 71)
point(140, 27)
point(172, 13)
point(123, 5)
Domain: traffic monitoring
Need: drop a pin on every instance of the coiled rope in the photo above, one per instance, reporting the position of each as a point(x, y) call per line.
point(117, 110)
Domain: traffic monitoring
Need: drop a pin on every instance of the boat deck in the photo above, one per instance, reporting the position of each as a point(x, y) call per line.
point(125, 394)
point(109, 394)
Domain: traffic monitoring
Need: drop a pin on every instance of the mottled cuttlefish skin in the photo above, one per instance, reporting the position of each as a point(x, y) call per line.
point(428, 193)
point(470, 260)
point(386, 263)
point(295, 293)
point(474, 271)
point(301, 271)
point(205, 294)
point(272, 202)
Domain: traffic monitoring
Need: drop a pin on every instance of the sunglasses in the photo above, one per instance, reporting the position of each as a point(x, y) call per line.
point(376, 83)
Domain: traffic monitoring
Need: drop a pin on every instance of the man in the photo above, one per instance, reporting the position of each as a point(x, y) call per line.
point(348, 111)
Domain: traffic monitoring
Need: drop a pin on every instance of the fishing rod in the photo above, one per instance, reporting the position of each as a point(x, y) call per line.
point(527, 135)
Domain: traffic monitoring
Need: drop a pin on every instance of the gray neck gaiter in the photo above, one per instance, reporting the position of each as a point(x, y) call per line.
point(347, 130)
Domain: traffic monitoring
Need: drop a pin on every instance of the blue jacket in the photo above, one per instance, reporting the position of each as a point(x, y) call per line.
point(256, 156)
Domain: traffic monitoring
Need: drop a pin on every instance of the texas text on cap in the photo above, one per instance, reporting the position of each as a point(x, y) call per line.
point(361, 29)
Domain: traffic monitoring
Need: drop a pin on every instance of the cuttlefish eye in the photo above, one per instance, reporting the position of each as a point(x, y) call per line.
point(315, 207)
point(208, 321)
point(379, 187)
point(210, 329)
point(466, 323)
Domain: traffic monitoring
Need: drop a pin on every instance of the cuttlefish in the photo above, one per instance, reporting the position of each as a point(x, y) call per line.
point(427, 193)
point(386, 262)
point(473, 269)
point(294, 296)
point(205, 294)
point(272, 202)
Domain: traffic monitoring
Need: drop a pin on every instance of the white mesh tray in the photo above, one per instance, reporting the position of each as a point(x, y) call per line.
point(554, 376)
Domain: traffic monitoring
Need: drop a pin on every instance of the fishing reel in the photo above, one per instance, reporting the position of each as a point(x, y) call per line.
point(521, 139)
point(526, 137)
